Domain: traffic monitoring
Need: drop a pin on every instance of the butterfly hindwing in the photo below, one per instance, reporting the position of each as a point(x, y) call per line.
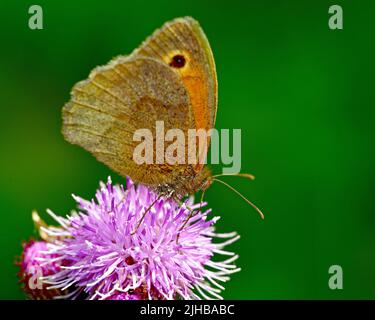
point(128, 94)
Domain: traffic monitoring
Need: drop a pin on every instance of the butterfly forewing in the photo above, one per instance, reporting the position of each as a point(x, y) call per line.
point(185, 38)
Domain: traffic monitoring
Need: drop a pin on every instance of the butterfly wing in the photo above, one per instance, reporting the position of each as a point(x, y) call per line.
point(116, 100)
point(183, 37)
point(134, 92)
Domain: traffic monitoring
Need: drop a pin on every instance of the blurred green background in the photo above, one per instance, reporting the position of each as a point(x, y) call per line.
point(302, 94)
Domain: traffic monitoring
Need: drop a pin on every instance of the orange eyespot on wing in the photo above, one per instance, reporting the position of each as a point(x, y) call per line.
point(178, 61)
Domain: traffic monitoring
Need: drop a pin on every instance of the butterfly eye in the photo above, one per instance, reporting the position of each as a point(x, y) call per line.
point(178, 61)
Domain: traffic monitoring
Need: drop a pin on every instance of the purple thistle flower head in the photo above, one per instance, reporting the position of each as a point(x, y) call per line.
point(33, 269)
point(126, 296)
point(104, 259)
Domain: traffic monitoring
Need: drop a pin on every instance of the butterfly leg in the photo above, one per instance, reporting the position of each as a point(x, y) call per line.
point(191, 214)
point(121, 200)
point(146, 211)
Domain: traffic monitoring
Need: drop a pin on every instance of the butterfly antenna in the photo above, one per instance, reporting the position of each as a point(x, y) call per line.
point(144, 214)
point(240, 194)
point(243, 175)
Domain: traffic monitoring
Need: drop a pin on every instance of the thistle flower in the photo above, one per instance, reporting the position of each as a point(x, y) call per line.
point(32, 269)
point(126, 296)
point(106, 258)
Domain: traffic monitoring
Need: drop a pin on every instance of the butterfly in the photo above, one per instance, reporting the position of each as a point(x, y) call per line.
point(172, 78)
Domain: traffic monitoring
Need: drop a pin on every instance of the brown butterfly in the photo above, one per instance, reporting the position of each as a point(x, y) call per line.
point(171, 77)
